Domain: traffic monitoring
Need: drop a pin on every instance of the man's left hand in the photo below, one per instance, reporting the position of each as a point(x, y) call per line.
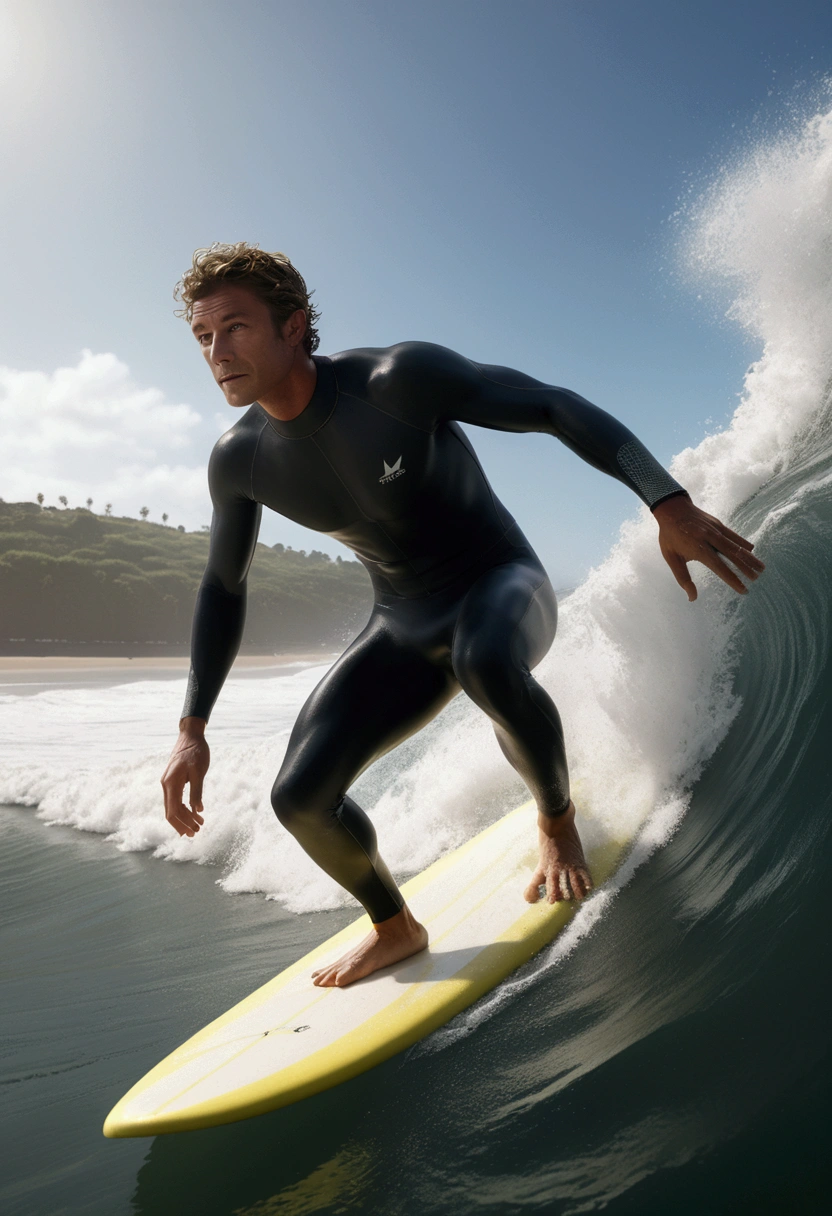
point(687, 534)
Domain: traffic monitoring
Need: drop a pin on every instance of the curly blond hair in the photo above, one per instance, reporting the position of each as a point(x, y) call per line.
point(270, 276)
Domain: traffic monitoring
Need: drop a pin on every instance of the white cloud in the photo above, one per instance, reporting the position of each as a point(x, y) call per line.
point(90, 431)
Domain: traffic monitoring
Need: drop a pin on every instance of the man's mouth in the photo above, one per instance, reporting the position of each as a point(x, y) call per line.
point(236, 376)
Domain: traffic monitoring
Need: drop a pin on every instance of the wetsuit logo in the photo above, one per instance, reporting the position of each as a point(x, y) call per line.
point(391, 472)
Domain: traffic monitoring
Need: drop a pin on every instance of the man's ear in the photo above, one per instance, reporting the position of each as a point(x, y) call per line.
point(295, 327)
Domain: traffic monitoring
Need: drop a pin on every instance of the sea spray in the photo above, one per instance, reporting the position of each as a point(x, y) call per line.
point(643, 679)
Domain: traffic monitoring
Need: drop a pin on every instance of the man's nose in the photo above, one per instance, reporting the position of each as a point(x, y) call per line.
point(221, 350)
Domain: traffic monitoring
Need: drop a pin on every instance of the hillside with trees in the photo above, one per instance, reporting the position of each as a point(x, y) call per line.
point(72, 581)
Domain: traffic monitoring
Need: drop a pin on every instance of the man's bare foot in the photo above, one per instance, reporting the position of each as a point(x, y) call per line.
point(388, 942)
point(562, 865)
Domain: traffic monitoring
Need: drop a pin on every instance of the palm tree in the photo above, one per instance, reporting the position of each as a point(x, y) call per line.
point(144, 512)
point(108, 508)
point(40, 499)
point(89, 504)
point(164, 517)
point(63, 500)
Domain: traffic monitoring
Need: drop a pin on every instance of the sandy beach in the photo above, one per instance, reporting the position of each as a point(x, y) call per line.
point(67, 670)
point(44, 663)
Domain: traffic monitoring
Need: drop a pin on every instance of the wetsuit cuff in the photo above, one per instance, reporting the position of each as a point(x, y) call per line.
point(673, 494)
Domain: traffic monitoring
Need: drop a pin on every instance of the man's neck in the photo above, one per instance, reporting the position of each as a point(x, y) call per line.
point(295, 390)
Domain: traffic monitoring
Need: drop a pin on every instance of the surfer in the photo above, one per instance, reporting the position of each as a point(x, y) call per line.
point(365, 445)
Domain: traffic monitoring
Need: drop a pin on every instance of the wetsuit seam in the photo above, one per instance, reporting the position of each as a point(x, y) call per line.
point(527, 675)
point(519, 624)
point(524, 388)
point(353, 836)
point(362, 513)
point(535, 590)
point(404, 421)
point(485, 481)
point(254, 457)
point(323, 422)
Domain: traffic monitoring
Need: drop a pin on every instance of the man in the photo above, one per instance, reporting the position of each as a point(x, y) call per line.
point(365, 446)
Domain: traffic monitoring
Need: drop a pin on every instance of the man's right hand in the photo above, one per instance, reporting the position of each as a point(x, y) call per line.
point(188, 765)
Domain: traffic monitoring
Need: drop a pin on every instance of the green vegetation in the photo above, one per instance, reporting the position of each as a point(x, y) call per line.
point(76, 577)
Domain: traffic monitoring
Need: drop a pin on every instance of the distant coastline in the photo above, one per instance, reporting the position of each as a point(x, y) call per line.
point(74, 663)
point(78, 584)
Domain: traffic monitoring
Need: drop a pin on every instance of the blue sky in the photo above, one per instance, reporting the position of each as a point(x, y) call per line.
point(496, 177)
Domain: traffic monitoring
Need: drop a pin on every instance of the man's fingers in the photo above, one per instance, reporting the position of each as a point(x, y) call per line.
point(750, 565)
point(196, 791)
point(185, 820)
point(191, 817)
point(713, 561)
point(173, 801)
point(184, 769)
point(180, 824)
point(743, 561)
point(742, 555)
point(688, 534)
point(732, 535)
point(680, 572)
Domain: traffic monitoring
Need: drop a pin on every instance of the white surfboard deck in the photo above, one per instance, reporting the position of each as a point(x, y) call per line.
point(290, 1039)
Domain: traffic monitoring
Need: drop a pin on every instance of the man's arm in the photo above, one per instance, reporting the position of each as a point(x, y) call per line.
point(454, 388)
point(507, 400)
point(219, 617)
point(220, 611)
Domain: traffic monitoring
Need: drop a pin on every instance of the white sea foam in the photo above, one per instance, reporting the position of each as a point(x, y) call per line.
point(642, 678)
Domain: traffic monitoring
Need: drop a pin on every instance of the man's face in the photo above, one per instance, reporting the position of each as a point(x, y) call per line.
point(246, 355)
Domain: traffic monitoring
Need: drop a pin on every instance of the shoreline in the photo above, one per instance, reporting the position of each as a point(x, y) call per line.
point(79, 663)
point(23, 675)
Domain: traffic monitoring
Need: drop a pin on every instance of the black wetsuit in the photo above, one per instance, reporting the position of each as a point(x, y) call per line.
point(377, 460)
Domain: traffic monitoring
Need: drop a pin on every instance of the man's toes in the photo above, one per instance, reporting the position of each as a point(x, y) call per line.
point(532, 892)
point(585, 881)
point(564, 885)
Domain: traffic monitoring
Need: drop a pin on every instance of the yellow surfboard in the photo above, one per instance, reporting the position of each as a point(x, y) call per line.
point(290, 1039)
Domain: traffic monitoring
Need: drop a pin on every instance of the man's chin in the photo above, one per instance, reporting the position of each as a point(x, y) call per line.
point(238, 394)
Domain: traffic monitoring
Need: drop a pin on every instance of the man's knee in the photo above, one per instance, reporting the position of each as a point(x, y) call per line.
point(293, 799)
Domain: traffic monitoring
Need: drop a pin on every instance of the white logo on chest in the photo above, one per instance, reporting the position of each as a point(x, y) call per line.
point(391, 472)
